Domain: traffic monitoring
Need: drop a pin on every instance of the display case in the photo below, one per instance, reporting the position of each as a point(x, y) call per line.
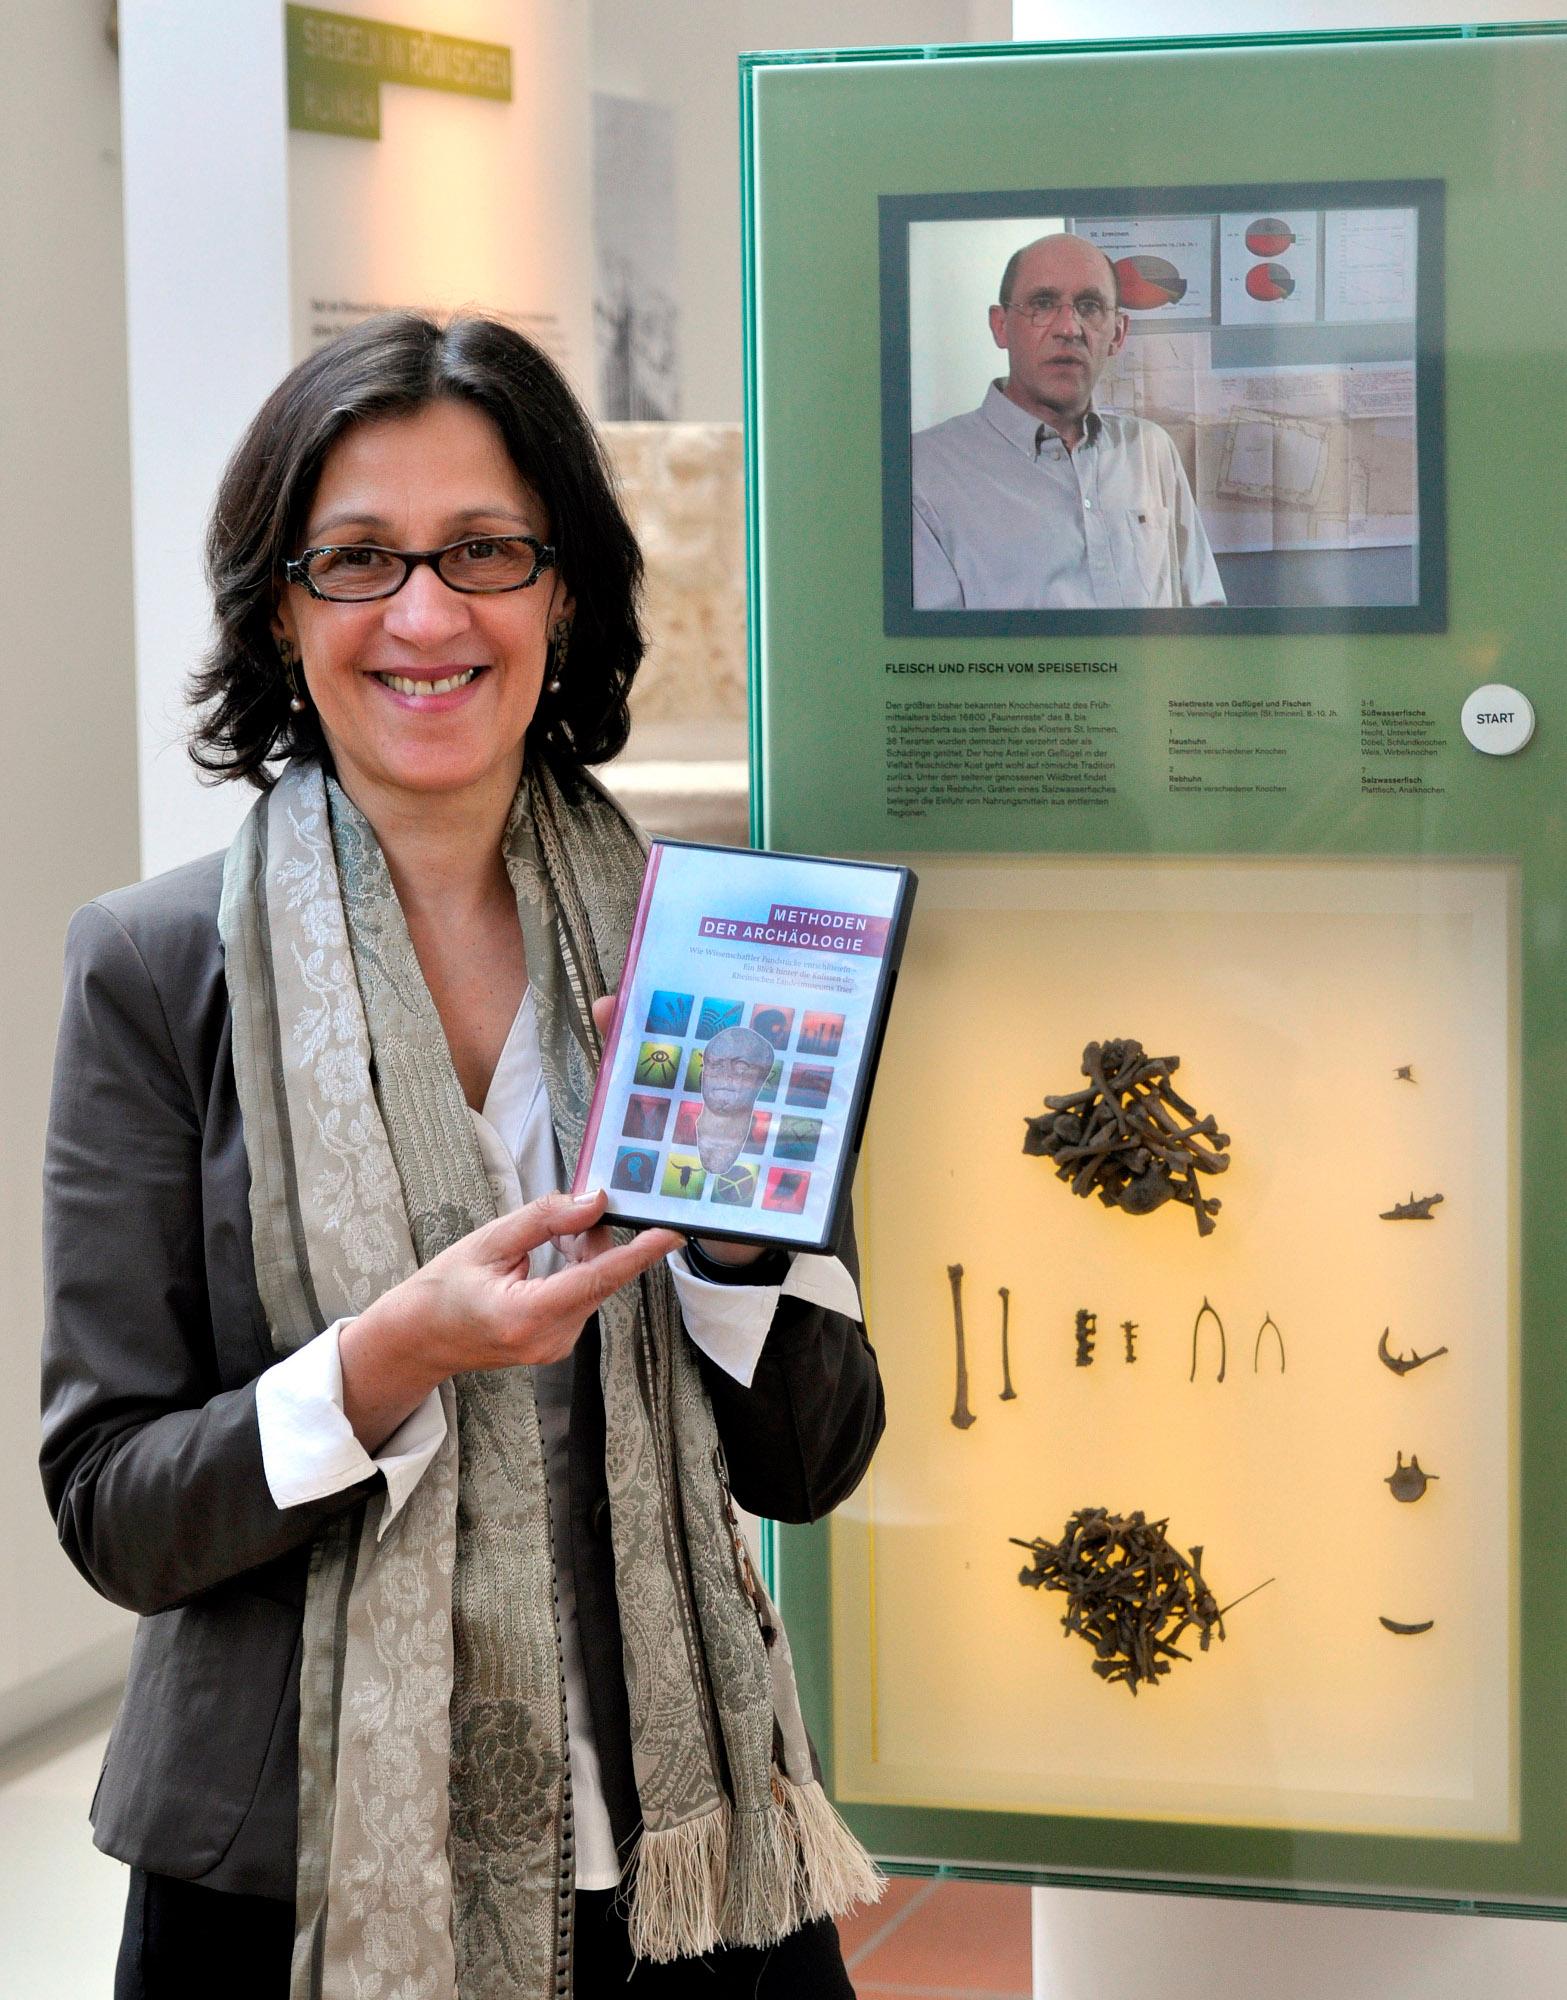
point(1156, 535)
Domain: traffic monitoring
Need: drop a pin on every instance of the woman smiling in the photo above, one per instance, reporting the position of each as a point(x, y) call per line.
point(452, 1676)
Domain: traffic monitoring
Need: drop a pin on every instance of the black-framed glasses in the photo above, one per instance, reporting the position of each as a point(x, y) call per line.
point(356, 572)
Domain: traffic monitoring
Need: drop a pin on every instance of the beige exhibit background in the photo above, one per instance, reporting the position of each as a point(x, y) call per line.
point(1291, 991)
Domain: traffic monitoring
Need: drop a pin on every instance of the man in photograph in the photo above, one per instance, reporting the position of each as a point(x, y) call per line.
point(1037, 500)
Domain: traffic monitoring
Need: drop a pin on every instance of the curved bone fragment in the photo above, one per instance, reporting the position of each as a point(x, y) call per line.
point(1406, 1631)
point(1401, 1364)
point(1256, 1352)
point(1207, 1310)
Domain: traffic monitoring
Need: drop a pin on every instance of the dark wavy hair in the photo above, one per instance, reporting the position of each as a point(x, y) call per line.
point(388, 366)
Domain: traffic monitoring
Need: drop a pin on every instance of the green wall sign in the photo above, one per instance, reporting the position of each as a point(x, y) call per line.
point(338, 62)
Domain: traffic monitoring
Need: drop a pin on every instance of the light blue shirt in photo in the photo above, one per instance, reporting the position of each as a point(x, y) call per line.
point(1006, 518)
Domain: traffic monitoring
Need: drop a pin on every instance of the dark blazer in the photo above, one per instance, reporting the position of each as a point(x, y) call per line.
point(151, 1454)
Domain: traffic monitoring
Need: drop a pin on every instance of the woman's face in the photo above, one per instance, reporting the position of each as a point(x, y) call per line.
point(419, 481)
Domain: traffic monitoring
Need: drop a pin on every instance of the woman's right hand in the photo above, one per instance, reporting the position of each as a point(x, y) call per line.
point(475, 1306)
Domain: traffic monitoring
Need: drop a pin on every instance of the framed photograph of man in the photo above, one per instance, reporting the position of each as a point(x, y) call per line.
point(1212, 408)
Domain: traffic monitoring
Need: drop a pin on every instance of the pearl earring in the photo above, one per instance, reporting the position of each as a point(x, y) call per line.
point(289, 659)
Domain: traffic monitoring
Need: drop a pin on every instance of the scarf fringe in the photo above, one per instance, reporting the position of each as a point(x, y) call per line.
point(835, 1873)
point(678, 1890)
point(746, 1878)
point(759, 1900)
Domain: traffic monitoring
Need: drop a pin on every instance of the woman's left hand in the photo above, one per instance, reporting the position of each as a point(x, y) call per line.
point(720, 1252)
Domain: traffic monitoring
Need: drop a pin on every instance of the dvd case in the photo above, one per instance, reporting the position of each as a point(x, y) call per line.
point(737, 1071)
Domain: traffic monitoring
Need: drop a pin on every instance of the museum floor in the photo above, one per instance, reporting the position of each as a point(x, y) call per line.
point(942, 1941)
point(60, 1899)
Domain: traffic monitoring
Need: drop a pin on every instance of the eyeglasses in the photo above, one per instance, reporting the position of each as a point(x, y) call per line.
point(1043, 307)
point(480, 566)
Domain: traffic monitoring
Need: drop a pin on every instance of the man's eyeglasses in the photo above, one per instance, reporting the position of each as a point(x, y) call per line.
point(481, 566)
point(1043, 307)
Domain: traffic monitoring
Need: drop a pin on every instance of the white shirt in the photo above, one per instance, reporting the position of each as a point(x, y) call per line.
point(1006, 518)
point(308, 1449)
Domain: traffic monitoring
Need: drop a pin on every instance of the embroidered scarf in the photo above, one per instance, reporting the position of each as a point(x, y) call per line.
point(435, 1844)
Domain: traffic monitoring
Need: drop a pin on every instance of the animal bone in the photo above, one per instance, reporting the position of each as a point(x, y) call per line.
point(962, 1415)
point(1408, 1482)
point(1417, 1209)
point(1130, 1593)
point(1008, 1393)
point(1130, 1138)
point(1256, 1353)
point(1087, 1327)
point(1205, 1308)
point(1406, 1631)
point(1401, 1364)
point(1129, 1328)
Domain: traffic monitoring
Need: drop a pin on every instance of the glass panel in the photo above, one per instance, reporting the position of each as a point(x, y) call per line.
point(1213, 732)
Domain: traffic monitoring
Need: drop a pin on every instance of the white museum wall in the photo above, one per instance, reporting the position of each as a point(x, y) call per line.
point(1110, 20)
point(686, 57)
point(1187, 1948)
point(220, 287)
point(460, 202)
point(206, 291)
point(68, 817)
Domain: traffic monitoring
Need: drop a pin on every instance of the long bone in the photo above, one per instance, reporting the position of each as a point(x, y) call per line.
point(1094, 1071)
point(1152, 1073)
point(962, 1415)
point(1008, 1393)
point(1200, 1128)
point(1186, 1154)
point(1157, 1141)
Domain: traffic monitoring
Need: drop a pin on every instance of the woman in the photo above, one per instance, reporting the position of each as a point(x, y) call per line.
point(449, 1654)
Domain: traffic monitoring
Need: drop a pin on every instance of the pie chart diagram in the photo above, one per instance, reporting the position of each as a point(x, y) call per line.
point(1149, 282)
point(1269, 282)
point(1268, 236)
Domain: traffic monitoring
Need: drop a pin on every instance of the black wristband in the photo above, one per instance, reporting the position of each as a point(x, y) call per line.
point(771, 1268)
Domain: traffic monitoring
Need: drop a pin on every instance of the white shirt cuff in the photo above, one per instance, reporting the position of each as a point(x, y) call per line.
point(729, 1322)
point(308, 1448)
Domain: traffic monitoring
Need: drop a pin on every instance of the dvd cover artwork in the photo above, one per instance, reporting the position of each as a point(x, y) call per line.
point(750, 1014)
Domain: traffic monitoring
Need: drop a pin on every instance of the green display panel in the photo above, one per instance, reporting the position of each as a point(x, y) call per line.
point(1156, 525)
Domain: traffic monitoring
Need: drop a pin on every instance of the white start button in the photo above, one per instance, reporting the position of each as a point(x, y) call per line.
point(1498, 719)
